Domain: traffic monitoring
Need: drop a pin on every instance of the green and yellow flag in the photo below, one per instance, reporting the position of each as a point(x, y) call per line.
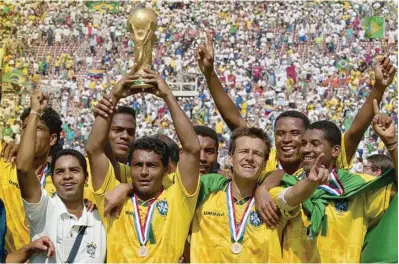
point(104, 6)
point(15, 77)
point(374, 26)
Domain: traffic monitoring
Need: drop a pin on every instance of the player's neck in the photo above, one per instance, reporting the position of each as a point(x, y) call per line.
point(122, 160)
point(242, 188)
point(291, 168)
point(147, 195)
point(38, 164)
point(74, 207)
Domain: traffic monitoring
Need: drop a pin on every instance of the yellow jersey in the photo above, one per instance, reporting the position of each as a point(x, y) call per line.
point(347, 225)
point(124, 171)
point(170, 223)
point(211, 240)
point(17, 234)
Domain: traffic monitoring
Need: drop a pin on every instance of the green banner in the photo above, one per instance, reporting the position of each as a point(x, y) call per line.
point(374, 26)
point(15, 77)
point(104, 6)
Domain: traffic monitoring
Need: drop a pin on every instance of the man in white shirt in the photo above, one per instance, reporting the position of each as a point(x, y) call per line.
point(64, 218)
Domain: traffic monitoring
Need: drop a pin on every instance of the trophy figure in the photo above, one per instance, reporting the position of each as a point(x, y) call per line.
point(142, 23)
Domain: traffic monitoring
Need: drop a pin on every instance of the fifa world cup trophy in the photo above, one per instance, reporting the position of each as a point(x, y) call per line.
point(142, 24)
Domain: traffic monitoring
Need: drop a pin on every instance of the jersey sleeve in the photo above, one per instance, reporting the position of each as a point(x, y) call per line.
point(182, 198)
point(288, 211)
point(110, 182)
point(35, 211)
point(342, 161)
point(210, 183)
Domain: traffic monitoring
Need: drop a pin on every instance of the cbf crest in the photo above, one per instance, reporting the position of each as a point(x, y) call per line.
point(341, 205)
point(254, 219)
point(162, 207)
point(91, 249)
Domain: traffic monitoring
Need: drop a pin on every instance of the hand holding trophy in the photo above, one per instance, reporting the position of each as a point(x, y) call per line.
point(142, 24)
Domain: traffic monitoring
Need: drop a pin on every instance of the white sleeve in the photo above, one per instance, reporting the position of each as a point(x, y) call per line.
point(36, 211)
point(287, 210)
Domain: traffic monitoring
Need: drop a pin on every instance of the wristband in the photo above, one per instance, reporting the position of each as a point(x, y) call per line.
point(36, 113)
point(393, 147)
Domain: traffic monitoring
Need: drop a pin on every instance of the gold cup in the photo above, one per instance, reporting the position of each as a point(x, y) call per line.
point(142, 24)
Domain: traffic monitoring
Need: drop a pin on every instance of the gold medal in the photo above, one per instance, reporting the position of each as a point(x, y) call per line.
point(143, 251)
point(236, 248)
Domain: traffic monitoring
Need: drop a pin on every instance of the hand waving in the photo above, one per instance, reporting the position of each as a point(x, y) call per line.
point(383, 125)
point(318, 174)
point(384, 73)
point(205, 56)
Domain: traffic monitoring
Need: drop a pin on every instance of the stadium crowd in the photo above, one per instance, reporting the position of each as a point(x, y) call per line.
point(242, 69)
point(271, 56)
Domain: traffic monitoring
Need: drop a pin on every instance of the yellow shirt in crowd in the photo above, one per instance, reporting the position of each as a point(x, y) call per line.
point(347, 225)
point(170, 223)
point(211, 239)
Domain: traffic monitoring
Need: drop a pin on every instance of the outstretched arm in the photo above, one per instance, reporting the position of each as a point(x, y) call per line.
point(384, 75)
point(189, 159)
point(228, 110)
point(384, 126)
point(28, 182)
point(99, 133)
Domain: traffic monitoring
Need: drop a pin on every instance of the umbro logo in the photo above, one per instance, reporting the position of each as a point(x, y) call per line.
point(213, 213)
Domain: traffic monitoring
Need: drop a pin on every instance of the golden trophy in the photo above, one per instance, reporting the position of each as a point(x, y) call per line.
point(142, 23)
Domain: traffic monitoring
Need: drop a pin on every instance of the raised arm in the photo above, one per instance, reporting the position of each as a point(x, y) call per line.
point(228, 110)
point(384, 75)
point(189, 159)
point(304, 189)
point(384, 126)
point(98, 137)
point(28, 182)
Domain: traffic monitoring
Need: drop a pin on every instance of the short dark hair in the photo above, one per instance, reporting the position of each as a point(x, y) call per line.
point(381, 162)
point(172, 146)
point(294, 114)
point(126, 110)
point(69, 152)
point(50, 117)
point(331, 131)
point(152, 144)
point(252, 132)
point(54, 149)
point(205, 131)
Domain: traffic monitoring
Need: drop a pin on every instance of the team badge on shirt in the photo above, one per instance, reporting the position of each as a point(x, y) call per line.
point(162, 207)
point(254, 219)
point(341, 206)
point(91, 249)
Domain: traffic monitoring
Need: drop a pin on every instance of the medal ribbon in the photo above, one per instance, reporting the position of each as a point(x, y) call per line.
point(43, 173)
point(237, 232)
point(335, 186)
point(143, 231)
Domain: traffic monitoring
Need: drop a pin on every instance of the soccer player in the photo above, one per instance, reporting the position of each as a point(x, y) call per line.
point(226, 227)
point(155, 221)
point(335, 216)
point(48, 133)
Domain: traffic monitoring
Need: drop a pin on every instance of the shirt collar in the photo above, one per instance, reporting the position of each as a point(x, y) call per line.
point(84, 220)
